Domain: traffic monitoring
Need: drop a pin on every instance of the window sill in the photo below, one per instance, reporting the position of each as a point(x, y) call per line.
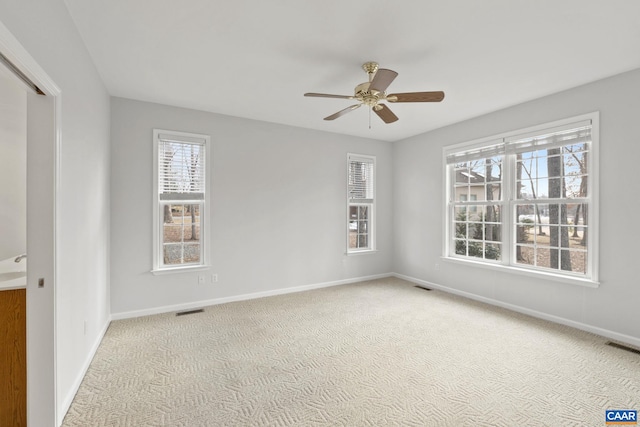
point(183, 269)
point(363, 252)
point(525, 272)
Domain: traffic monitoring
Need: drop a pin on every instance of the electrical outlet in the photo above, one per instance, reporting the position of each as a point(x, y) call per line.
point(201, 279)
point(214, 278)
point(437, 266)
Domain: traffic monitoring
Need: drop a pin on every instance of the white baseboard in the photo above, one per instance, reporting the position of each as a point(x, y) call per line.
point(66, 403)
point(243, 297)
point(534, 313)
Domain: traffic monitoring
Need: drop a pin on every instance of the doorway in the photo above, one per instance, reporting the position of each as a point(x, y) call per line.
point(42, 129)
point(13, 247)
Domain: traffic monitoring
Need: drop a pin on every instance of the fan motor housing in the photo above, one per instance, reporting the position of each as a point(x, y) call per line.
point(368, 97)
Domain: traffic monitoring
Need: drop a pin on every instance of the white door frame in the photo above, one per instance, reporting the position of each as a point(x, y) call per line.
point(43, 148)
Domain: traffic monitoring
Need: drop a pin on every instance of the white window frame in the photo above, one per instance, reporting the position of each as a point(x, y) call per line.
point(371, 203)
point(508, 229)
point(186, 137)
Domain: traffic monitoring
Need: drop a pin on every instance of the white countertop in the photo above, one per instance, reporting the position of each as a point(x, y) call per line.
point(13, 280)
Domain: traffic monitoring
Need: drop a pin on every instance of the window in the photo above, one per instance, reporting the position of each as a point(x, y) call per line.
point(360, 203)
point(476, 221)
point(180, 199)
point(527, 200)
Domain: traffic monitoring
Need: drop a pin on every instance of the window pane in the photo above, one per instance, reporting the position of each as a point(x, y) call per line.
point(551, 228)
point(492, 214)
point(543, 257)
point(492, 232)
point(181, 170)
point(172, 233)
point(578, 238)
point(359, 227)
point(477, 169)
point(578, 262)
point(462, 193)
point(353, 212)
point(461, 230)
point(191, 252)
point(550, 173)
point(361, 178)
point(472, 180)
point(543, 235)
point(460, 213)
point(363, 212)
point(181, 233)
point(474, 232)
point(525, 255)
point(554, 189)
point(475, 249)
point(353, 239)
point(525, 220)
point(494, 192)
point(462, 176)
point(172, 254)
point(573, 164)
point(493, 251)
point(494, 169)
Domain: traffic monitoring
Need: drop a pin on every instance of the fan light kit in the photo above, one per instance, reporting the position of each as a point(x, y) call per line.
point(371, 94)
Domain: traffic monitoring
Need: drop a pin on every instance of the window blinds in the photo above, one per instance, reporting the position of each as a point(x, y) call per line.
point(476, 153)
point(569, 134)
point(361, 179)
point(575, 133)
point(181, 169)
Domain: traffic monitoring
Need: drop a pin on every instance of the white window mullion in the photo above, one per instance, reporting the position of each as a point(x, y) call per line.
point(507, 228)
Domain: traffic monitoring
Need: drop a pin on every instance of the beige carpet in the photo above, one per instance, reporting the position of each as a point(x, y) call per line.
point(370, 354)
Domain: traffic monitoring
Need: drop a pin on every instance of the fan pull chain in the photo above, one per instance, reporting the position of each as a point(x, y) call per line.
point(369, 118)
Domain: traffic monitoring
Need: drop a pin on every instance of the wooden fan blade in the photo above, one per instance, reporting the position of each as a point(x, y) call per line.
point(416, 97)
point(342, 112)
point(385, 113)
point(382, 79)
point(326, 95)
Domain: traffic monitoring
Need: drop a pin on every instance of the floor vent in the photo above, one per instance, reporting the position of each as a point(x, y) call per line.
point(623, 347)
point(183, 313)
point(422, 287)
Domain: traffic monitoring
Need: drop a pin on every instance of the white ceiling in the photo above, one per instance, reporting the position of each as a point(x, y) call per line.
point(255, 59)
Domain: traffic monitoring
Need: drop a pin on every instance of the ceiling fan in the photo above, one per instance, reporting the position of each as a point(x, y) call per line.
point(371, 94)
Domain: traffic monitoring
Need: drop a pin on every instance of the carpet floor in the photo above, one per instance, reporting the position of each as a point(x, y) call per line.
point(374, 353)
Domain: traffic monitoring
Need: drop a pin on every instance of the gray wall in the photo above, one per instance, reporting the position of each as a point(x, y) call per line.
point(13, 169)
point(278, 212)
point(418, 209)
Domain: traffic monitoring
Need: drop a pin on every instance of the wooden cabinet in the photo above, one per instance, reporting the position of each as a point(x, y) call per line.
point(13, 358)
